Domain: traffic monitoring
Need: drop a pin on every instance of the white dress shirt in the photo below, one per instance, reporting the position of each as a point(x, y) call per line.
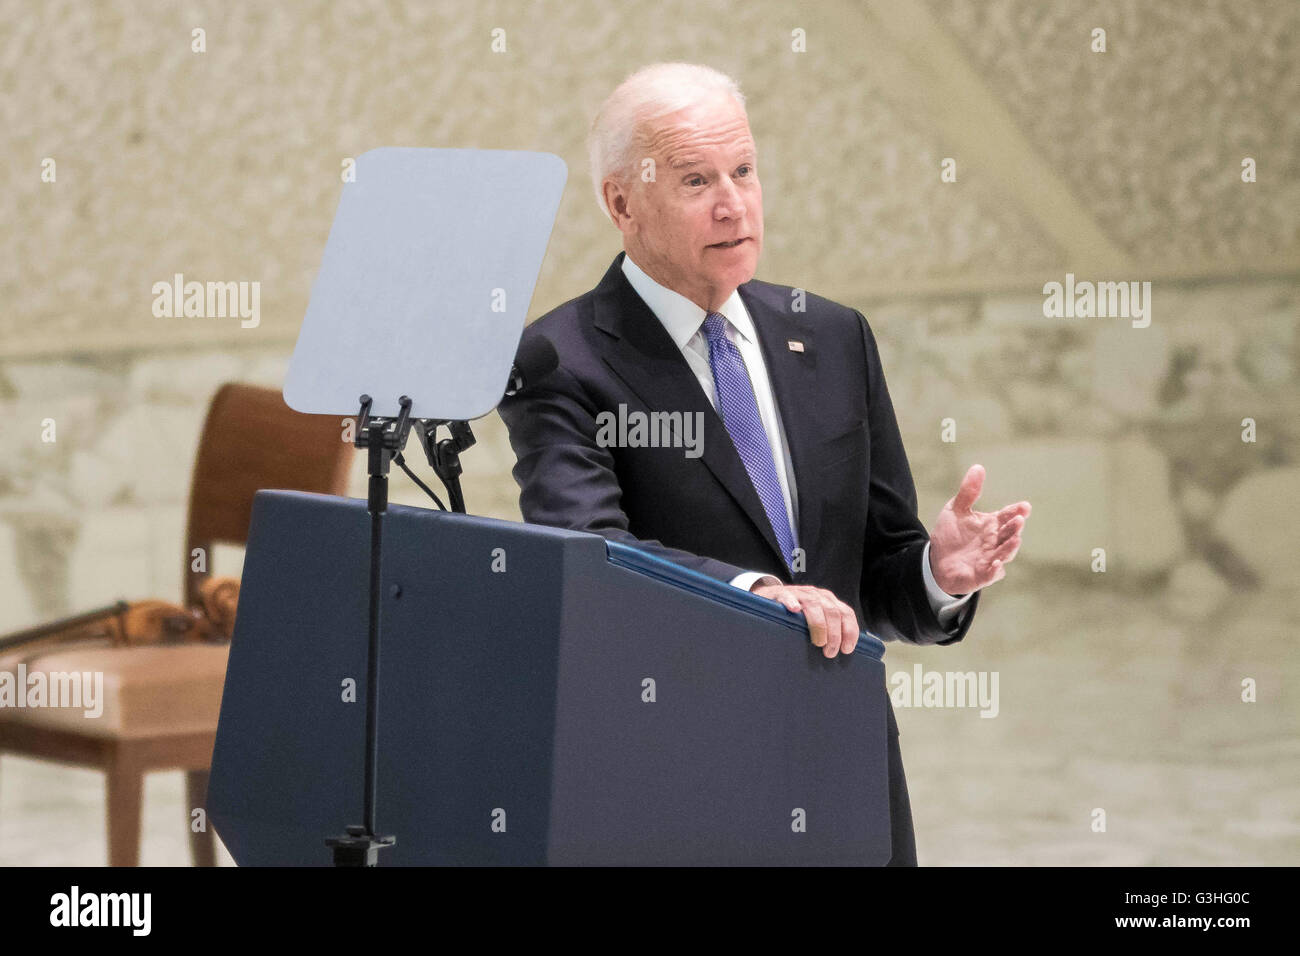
point(684, 322)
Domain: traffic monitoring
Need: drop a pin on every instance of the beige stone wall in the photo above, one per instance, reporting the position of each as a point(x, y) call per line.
point(1120, 690)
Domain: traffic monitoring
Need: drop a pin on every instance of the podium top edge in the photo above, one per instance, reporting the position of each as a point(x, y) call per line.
point(643, 562)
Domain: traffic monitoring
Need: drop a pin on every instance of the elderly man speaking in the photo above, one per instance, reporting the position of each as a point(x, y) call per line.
point(802, 493)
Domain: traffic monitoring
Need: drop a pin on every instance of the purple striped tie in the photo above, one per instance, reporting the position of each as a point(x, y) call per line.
point(739, 411)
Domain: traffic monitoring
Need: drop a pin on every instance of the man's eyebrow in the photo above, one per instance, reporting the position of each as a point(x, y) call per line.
point(686, 162)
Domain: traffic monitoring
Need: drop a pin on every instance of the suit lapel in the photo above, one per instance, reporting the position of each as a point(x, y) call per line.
point(643, 355)
point(799, 400)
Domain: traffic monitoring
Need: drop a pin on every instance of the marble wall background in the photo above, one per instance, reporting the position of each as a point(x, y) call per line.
point(1118, 690)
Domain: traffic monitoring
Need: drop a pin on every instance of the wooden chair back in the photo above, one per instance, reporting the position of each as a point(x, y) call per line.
point(252, 440)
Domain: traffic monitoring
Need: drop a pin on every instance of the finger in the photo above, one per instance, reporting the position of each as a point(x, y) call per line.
point(798, 595)
point(999, 572)
point(970, 489)
point(816, 619)
point(1010, 511)
point(850, 634)
point(781, 595)
point(1007, 550)
point(848, 627)
point(1011, 527)
point(995, 570)
point(833, 626)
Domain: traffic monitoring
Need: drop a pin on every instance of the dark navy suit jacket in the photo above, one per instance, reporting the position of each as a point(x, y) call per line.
point(857, 521)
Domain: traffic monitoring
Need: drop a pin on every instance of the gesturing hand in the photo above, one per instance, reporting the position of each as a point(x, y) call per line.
point(970, 549)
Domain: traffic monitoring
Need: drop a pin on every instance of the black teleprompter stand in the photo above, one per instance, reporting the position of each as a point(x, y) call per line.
point(385, 438)
point(444, 455)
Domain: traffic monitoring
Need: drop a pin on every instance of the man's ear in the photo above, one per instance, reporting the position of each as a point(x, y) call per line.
point(616, 205)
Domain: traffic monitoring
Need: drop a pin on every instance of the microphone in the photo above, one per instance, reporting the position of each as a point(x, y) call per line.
point(535, 360)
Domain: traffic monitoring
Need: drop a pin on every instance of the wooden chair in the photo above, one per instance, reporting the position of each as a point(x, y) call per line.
point(161, 701)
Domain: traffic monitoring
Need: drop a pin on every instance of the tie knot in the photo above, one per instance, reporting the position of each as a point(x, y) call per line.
point(715, 327)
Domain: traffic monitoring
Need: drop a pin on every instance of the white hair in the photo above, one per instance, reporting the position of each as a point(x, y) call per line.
point(652, 92)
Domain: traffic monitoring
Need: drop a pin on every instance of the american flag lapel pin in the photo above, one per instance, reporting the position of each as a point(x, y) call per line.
point(795, 345)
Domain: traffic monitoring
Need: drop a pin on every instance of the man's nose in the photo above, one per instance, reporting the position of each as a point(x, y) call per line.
point(730, 204)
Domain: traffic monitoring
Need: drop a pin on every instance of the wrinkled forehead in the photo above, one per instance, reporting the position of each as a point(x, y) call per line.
point(714, 127)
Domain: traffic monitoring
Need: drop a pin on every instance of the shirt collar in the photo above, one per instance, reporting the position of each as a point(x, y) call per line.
point(680, 316)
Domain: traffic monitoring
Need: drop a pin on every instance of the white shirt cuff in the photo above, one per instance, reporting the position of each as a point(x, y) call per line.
point(946, 607)
point(747, 579)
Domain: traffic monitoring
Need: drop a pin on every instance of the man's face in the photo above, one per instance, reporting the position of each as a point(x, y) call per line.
point(705, 194)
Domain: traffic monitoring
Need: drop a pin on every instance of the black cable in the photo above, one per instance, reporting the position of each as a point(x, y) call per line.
point(401, 463)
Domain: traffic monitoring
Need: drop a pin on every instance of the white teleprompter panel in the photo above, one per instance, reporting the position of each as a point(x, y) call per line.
point(426, 246)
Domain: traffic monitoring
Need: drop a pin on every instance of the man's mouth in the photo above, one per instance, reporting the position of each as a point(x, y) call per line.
point(729, 245)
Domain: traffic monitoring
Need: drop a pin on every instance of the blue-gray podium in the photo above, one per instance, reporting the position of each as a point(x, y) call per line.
point(545, 697)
